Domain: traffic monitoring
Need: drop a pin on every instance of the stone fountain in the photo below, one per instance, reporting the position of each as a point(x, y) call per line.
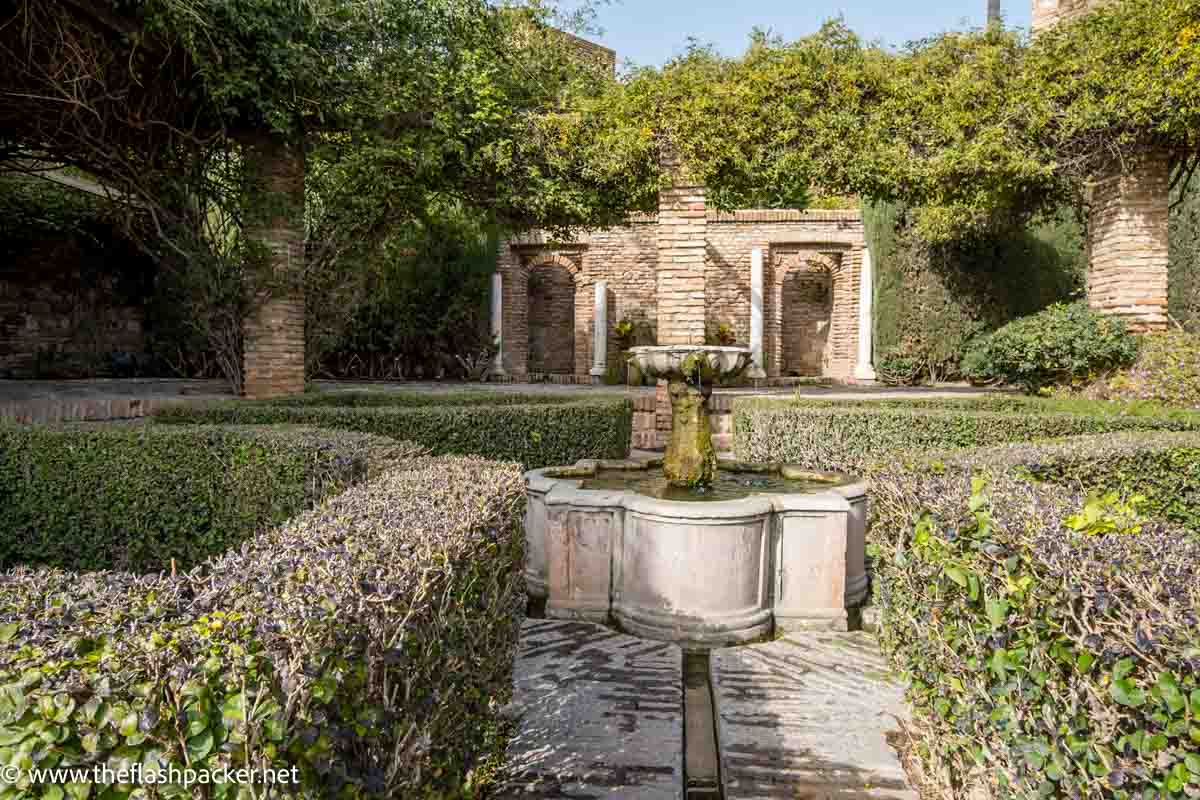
point(691, 548)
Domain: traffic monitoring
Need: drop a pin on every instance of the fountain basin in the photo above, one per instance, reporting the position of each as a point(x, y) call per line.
point(702, 574)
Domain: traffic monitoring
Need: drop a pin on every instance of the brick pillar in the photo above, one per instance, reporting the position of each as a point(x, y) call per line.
point(1128, 219)
point(1127, 243)
point(682, 225)
point(273, 333)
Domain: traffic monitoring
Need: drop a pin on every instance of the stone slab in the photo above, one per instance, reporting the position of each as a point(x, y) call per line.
point(808, 716)
point(601, 716)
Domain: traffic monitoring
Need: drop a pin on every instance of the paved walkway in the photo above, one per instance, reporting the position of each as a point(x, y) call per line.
point(602, 715)
point(808, 716)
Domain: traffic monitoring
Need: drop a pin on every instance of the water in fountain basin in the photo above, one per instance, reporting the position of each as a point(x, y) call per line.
point(728, 485)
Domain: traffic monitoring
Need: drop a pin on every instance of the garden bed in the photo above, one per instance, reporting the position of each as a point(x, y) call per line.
point(366, 644)
point(1046, 616)
point(533, 430)
point(852, 435)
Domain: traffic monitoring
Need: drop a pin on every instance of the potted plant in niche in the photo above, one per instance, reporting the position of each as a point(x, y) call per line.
point(626, 333)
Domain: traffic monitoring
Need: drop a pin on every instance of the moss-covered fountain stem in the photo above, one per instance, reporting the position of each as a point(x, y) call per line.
point(691, 459)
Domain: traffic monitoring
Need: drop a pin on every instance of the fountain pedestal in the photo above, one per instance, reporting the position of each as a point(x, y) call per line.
point(690, 371)
point(691, 459)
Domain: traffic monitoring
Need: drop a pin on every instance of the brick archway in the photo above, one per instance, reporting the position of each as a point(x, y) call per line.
point(550, 292)
point(812, 309)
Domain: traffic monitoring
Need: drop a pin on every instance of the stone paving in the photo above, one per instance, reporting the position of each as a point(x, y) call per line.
point(601, 715)
point(807, 716)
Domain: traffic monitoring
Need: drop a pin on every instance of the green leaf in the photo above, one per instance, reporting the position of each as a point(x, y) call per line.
point(1126, 693)
point(1122, 668)
point(7, 632)
point(997, 612)
point(199, 746)
point(958, 575)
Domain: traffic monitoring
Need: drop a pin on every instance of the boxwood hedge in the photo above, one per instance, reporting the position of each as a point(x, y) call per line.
point(136, 497)
point(411, 399)
point(549, 432)
point(366, 643)
point(852, 435)
point(1045, 656)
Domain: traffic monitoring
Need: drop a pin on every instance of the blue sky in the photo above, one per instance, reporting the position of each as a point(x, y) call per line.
point(649, 32)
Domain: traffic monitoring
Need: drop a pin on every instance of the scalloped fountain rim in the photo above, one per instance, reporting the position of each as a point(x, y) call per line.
point(701, 574)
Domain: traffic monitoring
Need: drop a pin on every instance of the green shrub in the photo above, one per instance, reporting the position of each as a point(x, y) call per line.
point(136, 498)
point(898, 367)
point(1044, 657)
point(932, 297)
point(1062, 344)
point(1013, 403)
point(382, 398)
point(1167, 370)
point(1164, 468)
point(853, 435)
point(368, 644)
point(547, 434)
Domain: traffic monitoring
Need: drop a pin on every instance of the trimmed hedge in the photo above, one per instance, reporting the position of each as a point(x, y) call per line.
point(1162, 467)
point(1041, 660)
point(136, 497)
point(368, 644)
point(850, 436)
point(477, 397)
point(540, 435)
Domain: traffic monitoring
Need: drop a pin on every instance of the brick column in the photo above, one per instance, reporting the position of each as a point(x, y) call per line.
point(1128, 219)
point(273, 332)
point(682, 225)
point(1127, 243)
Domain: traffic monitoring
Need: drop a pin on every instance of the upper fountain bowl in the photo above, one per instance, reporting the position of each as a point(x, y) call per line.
point(679, 362)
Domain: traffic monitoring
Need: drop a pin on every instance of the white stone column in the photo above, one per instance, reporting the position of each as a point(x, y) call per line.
point(865, 369)
point(756, 314)
point(600, 331)
point(498, 321)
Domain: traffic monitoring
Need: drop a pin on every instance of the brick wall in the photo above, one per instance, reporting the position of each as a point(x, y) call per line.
point(833, 238)
point(695, 295)
point(53, 316)
point(551, 319)
point(807, 301)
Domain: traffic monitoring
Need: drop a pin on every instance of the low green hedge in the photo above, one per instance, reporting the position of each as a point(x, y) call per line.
point(1026, 404)
point(1044, 658)
point(367, 644)
point(1164, 468)
point(852, 435)
point(410, 399)
point(540, 435)
point(136, 497)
